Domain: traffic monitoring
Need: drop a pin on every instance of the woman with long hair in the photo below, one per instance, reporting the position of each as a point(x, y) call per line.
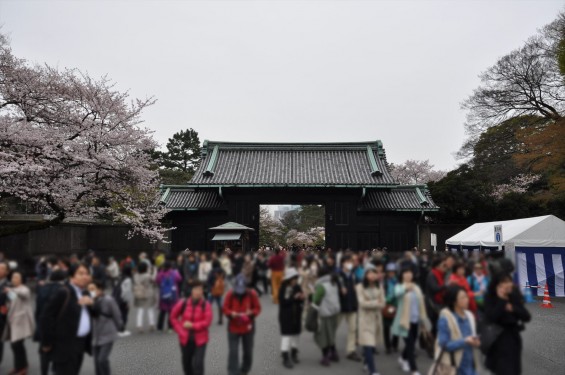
point(504, 306)
point(291, 303)
point(371, 299)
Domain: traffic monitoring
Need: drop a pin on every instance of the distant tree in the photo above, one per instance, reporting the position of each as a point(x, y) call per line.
point(270, 230)
point(178, 163)
point(415, 172)
point(73, 146)
point(527, 81)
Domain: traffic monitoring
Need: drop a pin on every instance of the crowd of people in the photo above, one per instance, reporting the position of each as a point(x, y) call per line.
point(465, 311)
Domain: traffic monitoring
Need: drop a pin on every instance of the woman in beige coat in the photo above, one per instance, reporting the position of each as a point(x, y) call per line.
point(371, 299)
point(144, 295)
point(20, 324)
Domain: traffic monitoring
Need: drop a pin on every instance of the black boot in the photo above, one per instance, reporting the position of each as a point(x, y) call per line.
point(294, 356)
point(286, 360)
point(221, 316)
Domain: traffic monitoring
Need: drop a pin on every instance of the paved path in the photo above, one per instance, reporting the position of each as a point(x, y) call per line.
point(158, 353)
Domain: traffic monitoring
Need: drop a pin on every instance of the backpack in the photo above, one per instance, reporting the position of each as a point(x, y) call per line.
point(117, 294)
point(167, 289)
point(219, 286)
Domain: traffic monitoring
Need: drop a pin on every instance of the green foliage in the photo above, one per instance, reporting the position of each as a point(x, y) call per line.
point(178, 163)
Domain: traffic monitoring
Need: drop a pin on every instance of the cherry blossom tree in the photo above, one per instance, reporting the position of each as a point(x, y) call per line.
point(415, 172)
point(518, 184)
point(74, 146)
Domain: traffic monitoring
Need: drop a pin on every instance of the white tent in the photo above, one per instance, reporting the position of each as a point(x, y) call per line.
point(536, 245)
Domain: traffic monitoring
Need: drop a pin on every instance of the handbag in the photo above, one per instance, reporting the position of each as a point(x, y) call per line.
point(427, 342)
point(389, 311)
point(489, 335)
point(439, 368)
point(311, 323)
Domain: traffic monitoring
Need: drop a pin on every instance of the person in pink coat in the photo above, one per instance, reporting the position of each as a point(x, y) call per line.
point(191, 319)
point(168, 279)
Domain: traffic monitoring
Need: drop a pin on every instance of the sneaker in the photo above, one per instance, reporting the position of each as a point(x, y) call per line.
point(353, 356)
point(415, 373)
point(403, 364)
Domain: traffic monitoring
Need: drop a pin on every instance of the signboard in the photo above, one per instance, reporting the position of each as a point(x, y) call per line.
point(498, 235)
point(433, 240)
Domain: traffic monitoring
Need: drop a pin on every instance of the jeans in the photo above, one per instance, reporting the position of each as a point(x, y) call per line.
point(161, 320)
point(408, 354)
point(124, 310)
point(369, 359)
point(218, 301)
point(193, 358)
point(102, 358)
point(233, 356)
point(391, 341)
point(20, 355)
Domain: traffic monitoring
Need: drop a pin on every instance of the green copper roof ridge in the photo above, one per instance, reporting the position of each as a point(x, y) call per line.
point(373, 161)
point(422, 197)
point(212, 162)
point(165, 195)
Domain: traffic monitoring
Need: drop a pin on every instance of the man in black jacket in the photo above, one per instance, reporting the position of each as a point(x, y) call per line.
point(349, 305)
point(66, 323)
point(4, 270)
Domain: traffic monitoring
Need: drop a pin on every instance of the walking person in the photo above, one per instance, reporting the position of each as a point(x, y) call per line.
point(261, 269)
point(66, 322)
point(349, 305)
point(478, 282)
point(458, 278)
point(241, 307)
point(504, 306)
point(106, 323)
point(410, 315)
point(457, 334)
point(54, 282)
point(371, 299)
point(20, 322)
point(276, 265)
point(326, 301)
point(204, 268)
point(113, 271)
point(123, 295)
point(191, 319)
point(291, 303)
point(435, 287)
point(168, 280)
point(144, 297)
point(217, 285)
point(389, 312)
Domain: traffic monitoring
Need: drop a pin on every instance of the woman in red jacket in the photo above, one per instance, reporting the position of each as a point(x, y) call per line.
point(458, 278)
point(191, 319)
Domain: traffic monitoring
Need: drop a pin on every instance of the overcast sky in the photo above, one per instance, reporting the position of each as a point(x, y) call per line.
point(287, 71)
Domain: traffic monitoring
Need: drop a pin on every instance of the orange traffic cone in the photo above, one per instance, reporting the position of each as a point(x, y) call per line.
point(546, 301)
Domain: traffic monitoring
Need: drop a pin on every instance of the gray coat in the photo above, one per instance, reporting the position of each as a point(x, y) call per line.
point(107, 321)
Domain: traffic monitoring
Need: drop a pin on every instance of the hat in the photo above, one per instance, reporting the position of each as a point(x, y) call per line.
point(391, 267)
point(239, 285)
point(290, 273)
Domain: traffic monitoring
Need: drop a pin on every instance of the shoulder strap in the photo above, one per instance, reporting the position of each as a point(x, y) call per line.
point(66, 303)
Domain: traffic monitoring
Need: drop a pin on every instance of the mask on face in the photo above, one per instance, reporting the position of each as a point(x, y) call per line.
point(92, 295)
point(348, 266)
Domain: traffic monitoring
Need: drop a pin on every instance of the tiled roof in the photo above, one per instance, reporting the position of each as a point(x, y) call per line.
point(293, 164)
point(400, 199)
point(191, 199)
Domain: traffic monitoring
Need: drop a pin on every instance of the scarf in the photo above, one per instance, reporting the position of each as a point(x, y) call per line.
point(407, 301)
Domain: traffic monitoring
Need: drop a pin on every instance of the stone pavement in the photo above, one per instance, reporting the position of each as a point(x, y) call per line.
point(158, 353)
